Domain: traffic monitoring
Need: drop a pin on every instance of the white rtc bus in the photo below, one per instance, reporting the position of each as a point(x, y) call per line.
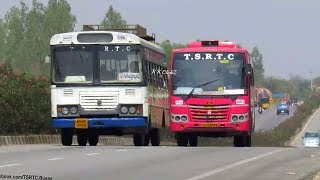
point(104, 83)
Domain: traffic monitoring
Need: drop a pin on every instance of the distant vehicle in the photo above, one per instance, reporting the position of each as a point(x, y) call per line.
point(282, 108)
point(311, 139)
point(265, 103)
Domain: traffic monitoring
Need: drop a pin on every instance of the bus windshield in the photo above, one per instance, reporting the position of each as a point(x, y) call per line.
point(114, 64)
point(72, 64)
point(193, 69)
point(120, 64)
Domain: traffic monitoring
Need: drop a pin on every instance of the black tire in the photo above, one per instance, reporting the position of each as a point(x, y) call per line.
point(155, 137)
point(146, 140)
point(193, 140)
point(288, 113)
point(237, 141)
point(247, 141)
point(82, 139)
point(242, 141)
point(182, 140)
point(93, 138)
point(139, 139)
point(66, 136)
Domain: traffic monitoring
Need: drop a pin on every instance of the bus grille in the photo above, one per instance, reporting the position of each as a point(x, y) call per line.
point(99, 100)
point(209, 112)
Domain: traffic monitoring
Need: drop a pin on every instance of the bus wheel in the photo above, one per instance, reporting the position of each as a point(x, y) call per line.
point(182, 139)
point(82, 139)
point(242, 141)
point(248, 140)
point(146, 140)
point(138, 139)
point(155, 137)
point(237, 141)
point(193, 140)
point(66, 136)
point(93, 138)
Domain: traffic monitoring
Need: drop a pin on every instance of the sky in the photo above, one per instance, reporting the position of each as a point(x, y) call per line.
point(287, 32)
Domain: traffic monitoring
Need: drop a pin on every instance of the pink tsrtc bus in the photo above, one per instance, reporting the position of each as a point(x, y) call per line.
point(211, 93)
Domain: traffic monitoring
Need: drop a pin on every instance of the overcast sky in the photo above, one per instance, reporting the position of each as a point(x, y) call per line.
point(287, 32)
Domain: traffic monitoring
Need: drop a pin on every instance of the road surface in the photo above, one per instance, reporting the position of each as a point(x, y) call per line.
point(312, 125)
point(139, 163)
point(269, 118)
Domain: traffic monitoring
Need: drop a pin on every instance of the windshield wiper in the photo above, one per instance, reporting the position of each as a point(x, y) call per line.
point(190, 94)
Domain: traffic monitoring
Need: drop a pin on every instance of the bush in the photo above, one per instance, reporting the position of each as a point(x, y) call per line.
point(25, 103)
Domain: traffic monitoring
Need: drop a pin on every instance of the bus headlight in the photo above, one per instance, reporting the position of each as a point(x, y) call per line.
point(184, 118)
point(239, 117)
point(132, 110)
point(65, 110)
point(179, 117)
point(234, 118)
point(73, 110)
point(124, 110)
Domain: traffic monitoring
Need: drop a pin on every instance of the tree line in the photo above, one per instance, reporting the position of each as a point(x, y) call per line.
point(25, 33)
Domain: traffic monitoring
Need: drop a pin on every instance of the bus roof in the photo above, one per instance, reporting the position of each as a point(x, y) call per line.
point(216, 46)
point(102, 38)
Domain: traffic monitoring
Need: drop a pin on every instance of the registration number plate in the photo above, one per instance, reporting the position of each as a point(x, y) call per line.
point(211, 125)
point(81, 123)
point(282, 111)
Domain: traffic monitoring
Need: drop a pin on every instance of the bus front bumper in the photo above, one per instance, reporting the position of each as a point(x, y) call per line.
point(209, 127)
point(99, 122)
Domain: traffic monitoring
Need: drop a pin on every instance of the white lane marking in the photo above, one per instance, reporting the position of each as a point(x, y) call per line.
point(304, 128)
point(9, 165)
point(53, 159)
point(215, 171)
point(122, 150)
point(91, 154)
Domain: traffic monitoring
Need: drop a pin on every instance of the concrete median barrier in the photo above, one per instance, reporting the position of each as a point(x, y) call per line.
point(55, 139)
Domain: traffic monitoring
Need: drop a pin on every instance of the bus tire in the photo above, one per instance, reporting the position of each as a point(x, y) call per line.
point(248, 141)
point(193, 140)
point(182, 139)
point(237, 141)
point(146, 140)
point(93, 138)
point(242, 141)
point(138, 139)
point(82, 139)
point(66, 136)
point(155, 137)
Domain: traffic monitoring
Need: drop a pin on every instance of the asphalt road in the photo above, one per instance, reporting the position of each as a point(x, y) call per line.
point(139, 163)
point(312, 125)
point(269, 119)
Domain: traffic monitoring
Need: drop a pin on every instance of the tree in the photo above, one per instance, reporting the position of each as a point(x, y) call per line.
point(113, 19)
point(15, 35)
point(258, 66)
point(168, 47)
point(57, 19)
point(2, 40)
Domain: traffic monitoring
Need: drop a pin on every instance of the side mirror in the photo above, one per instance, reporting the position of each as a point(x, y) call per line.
point(248, 69)
point(302, 137)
